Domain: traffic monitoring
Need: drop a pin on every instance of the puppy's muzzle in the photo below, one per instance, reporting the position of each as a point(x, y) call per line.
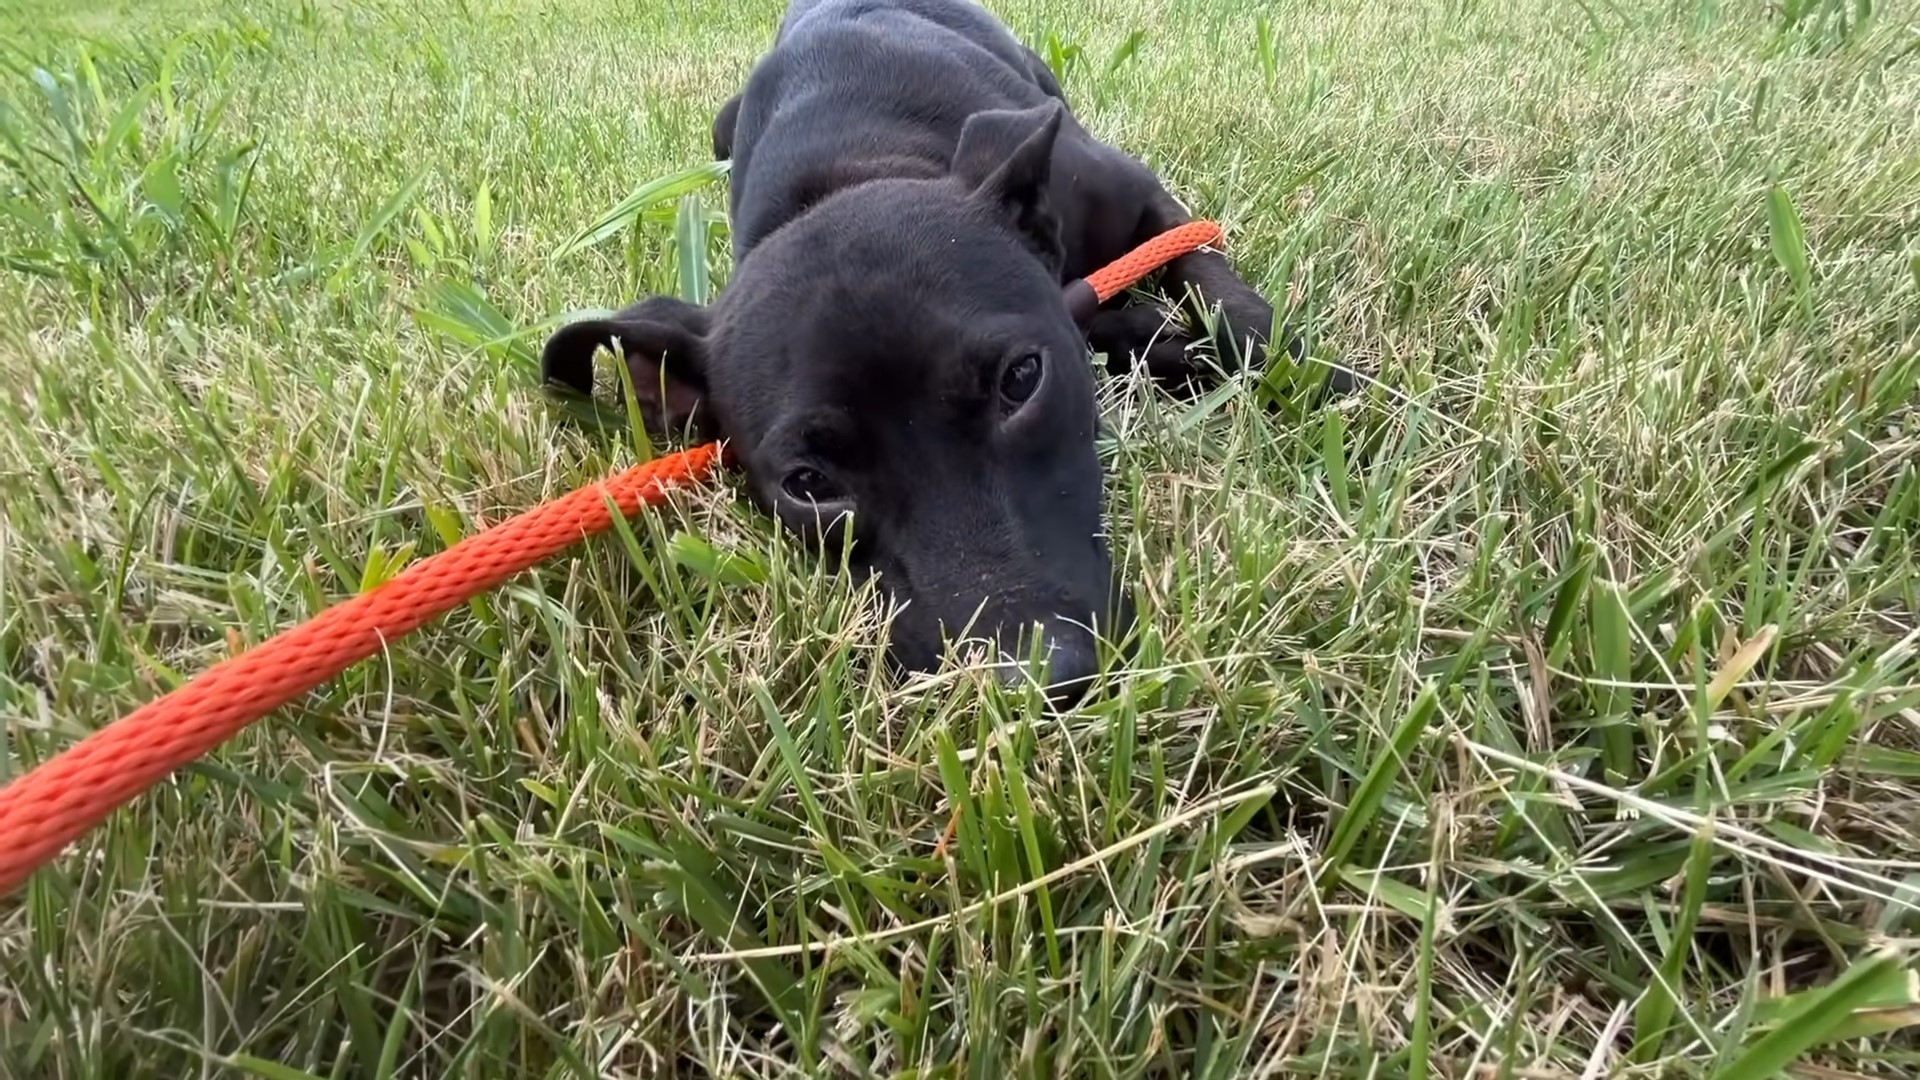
point(1066, 664)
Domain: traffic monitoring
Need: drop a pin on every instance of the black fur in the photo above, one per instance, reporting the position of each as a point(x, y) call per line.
point(908, 193)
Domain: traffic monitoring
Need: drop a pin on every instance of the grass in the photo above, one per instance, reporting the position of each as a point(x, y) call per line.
point(1550, 710)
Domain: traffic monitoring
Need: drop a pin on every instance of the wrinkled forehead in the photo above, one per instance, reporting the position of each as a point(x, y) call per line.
point(911, 319)
point(947, 278)
point(908, 319)
point(907, 345)
point(861, 370)
point(892, 241)
point(860, 376)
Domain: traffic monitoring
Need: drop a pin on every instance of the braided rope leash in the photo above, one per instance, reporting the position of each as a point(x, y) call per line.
point(69, 794)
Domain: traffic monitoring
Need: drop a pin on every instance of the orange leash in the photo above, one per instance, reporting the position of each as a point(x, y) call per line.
point(66, 796)
point(1110, 279)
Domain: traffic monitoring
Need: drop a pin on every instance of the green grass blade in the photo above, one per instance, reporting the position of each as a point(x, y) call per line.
point(969, 837)
point(664, 189)
point(1567, 601)
point(1387, 763)
point(483, 218)
point(398, 1027)
point(795, 763)
point(1333, 458)
point(1788, 239)
point(690, 244)
point(1654, 1016)
point(1125, 51)
point(1036, 861)
point(1421, 1041)
point(371, 230)
point(1612, 664)
point(1817, 1015)
point(267, 1069)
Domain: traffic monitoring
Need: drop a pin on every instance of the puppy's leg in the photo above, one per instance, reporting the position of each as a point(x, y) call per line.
point(1243, 319)
point(1129, 334)
point(723, 129)
point(1204, 280)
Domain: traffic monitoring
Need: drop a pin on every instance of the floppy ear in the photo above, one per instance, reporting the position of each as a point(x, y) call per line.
point(1005, 158)
point(664, 341)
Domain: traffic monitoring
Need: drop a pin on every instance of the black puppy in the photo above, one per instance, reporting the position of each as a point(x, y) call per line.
point(893, 354)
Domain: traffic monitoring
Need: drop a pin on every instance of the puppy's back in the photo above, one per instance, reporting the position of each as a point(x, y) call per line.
point(914, 21)
point(855, 90)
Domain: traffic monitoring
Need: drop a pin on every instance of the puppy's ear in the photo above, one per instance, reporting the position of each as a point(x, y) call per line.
point(1005, 157)
point(664, 342)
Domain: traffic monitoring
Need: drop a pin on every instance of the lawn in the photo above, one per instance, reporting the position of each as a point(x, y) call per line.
point(1550, 709)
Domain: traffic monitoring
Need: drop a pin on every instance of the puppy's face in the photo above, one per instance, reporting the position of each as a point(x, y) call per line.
point(898, 373)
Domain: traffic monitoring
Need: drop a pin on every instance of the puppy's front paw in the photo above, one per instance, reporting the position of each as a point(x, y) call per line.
point(1241, 336)
point(1241, 328)
point(1142, 335)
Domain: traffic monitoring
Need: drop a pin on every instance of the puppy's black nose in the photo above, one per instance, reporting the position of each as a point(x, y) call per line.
point(1071, 662)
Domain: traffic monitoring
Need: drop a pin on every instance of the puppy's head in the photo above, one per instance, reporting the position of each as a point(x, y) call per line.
point(897, 371)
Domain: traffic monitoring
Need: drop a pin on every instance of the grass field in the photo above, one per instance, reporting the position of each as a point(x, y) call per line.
point(1550, 710)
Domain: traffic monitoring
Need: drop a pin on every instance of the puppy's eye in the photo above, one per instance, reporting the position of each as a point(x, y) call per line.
point(810, 486)
point(1021, 378)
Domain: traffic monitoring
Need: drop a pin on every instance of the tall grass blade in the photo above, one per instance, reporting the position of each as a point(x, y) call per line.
point(1818, 1015)
point(1788, 238)
point(374, 226)
point(1367, 799)
point(664, 189)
